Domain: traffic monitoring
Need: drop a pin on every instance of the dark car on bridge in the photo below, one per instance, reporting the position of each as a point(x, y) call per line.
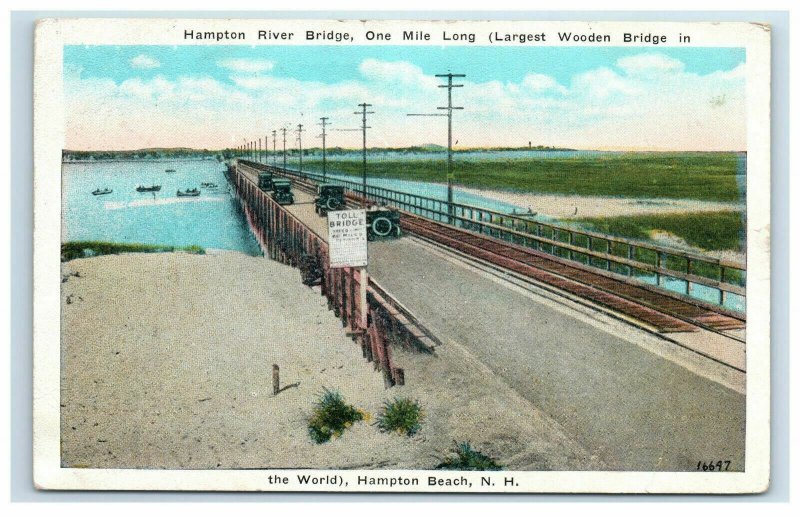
point(329, 198)
point(383, 223)
point(265, 181)
point(282, 191)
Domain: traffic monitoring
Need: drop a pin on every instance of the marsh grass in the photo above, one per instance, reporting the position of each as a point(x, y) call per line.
point(331, 417)
point(711, 231)
point(402, 415)
point(89, 248)
point(690, 175)
point(464, 457)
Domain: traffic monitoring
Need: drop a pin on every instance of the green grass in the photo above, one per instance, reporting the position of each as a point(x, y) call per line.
point(712, 231)
point(691, 175)
point(464, 458)
point(331, 416)
point(87, 248)
point(402, 415)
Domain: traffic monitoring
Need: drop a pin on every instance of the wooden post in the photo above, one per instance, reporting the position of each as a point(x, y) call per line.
point(363, 280)
point(276, 379)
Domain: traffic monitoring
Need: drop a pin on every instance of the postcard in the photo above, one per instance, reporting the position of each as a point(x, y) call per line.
point(401, 256)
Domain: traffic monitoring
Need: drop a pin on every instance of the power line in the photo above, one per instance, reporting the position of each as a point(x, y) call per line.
point(449, 115)
point(324, 123)
point(299, 131)
point(274, 154)
point(284, 147)
point(364, 128)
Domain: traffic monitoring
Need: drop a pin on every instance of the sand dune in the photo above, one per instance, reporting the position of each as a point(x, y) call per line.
point(569, 206)
point(167, 358)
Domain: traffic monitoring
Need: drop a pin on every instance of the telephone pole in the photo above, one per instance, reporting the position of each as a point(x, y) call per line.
point(300, 143)
point(449, 115)
point(258, 156)
point(284, 148)
point(323, 123)
point(274, 154)
point(364, 128)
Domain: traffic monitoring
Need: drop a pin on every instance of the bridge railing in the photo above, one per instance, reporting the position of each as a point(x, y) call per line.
point(708, 279)
point(284, 237)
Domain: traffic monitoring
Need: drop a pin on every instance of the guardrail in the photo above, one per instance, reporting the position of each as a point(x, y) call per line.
point(374, 322)
point(712, 280)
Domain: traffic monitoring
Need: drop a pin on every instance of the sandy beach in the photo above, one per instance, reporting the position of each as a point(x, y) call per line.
point(576, 206)
point(167, 360)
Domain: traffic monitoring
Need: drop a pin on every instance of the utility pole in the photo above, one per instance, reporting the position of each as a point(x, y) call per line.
point(284, 148)
point(364, 128)
point(274, 154)
point(300, 143)
point(258, 156)
point(324, 123)
point(449, 115)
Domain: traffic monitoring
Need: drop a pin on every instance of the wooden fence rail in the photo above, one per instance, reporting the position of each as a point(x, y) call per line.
point(375, 323)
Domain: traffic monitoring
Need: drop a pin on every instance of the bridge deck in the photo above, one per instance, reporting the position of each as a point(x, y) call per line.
point(636, 408)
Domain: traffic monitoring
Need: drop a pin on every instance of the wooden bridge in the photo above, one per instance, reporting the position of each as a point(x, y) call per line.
point(418, 299)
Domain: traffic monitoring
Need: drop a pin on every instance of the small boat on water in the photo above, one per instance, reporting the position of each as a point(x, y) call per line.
point(153, 188)
point(104, 191)
point(209, 185)
point(170, 170)
point(191, 192)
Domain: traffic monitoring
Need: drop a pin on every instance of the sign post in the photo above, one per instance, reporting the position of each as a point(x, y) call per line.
point(347, 247)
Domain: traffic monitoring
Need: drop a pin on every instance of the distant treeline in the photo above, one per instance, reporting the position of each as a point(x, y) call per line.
point(178, 153)
point(224, 154)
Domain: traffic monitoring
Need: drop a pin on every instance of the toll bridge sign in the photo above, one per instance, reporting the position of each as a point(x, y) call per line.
point(347, 238)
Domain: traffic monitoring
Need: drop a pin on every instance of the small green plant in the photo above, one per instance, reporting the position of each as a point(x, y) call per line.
point(90, 248)
point(402, 415)
point(468, 459)
point(331, 417)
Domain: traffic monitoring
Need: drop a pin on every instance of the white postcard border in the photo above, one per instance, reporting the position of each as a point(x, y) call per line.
point(52, 35)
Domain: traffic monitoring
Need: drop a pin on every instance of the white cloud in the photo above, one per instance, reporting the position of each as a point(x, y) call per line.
point(600, 108)
point(143, 61)
point(539, 82)
point(649, 64)
point(247, 65)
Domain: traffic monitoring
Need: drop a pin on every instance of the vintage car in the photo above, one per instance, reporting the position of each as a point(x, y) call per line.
point(329, 198)
point(383, 223)
point(265, 181)
point(282, 191)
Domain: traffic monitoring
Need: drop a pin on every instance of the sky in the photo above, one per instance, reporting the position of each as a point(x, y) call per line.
point(208, 96)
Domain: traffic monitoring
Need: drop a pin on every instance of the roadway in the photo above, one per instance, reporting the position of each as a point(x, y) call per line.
point(635, 405)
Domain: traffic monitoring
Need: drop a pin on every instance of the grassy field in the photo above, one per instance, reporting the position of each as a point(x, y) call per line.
point(711, 231)
point(83, 249)
point(705, 176)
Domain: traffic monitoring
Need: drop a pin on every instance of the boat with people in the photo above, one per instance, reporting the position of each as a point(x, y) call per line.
point(209, 185)
point(153, 188)
point(191, 192)
point(170, 170)
point(104, 191)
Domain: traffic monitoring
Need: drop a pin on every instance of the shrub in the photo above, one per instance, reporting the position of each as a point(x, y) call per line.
point(468, 459)
point(402, 415)
point(331, 417)
point(90, 248)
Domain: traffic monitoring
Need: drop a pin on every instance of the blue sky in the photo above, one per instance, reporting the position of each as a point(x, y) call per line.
point(330, 64)
point(567, 96)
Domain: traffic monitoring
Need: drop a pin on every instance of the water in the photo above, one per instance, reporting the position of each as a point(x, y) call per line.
point(433, 190)
point(212, 221)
